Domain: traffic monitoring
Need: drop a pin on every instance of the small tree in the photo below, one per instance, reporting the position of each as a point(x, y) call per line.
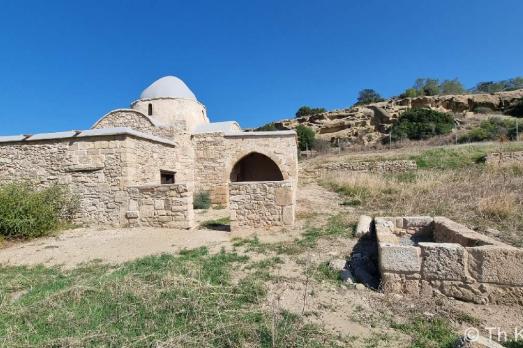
point(306, 137)
point(451, 87)
point(416, 124)
point(307, 111)
point(410, 93)
point(489, 87)
point(426, 86)
point(367, 96)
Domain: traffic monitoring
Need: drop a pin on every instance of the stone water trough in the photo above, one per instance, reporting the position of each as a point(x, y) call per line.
point(424, 256)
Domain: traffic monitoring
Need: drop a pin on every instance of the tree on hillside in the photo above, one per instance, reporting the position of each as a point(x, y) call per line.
point(367, 96)
point(427, 86)
point(306, 137)
point(488, 87)
point(307, 111)
point(451, 87)
point(499, 86)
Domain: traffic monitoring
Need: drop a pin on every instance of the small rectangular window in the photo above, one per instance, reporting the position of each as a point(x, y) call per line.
point(166, 177)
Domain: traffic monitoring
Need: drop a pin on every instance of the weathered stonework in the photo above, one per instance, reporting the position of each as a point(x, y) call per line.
point(161, 206)
point(141, 166)
point(217, 153)
point(421, 256)
point(501, 158)
point(313, 171)
point(261, 204)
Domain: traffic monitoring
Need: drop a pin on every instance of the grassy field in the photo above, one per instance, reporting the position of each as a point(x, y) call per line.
point(450, 181)
point(187, 300)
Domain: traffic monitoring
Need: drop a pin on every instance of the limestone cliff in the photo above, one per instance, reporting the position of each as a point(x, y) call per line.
point(369, 123)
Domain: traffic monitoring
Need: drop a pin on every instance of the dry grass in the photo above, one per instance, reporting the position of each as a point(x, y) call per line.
point(478, 196)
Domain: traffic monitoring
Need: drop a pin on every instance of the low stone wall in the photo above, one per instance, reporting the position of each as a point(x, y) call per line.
point(447, 258)
point(388, 166)
point(160, 206)
point(498, 158)
point(262, 204)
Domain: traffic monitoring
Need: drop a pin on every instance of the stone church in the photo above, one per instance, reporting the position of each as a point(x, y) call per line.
point(142, 166)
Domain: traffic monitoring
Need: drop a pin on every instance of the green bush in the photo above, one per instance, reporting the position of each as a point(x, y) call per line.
point(202, 200)
point(516, 110)
point(26, 212)
point(491, 129)
point(483, 110)
point(306, 137)
point(417, 124)
point(307, 111)
point(269, 127)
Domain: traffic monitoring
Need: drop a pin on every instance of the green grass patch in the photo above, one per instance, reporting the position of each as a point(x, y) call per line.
point(337, 226)
point(187, 300)
point(429, 333)
point(323, 273)
point(450, 157)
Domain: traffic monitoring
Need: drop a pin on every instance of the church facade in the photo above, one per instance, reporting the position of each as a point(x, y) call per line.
point(142, 166)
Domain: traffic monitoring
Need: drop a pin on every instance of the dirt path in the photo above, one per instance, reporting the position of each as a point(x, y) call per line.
point(113, 246)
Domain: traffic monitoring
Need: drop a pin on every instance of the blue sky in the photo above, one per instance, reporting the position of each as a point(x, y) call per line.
point(64, 64)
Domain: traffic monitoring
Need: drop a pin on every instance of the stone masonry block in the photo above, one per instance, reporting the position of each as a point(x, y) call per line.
point(448, 231)
point(283, 196)
point(416, 221)
point(364, 226)
point(147, 211)
point(399, 259)
point(496, 264)
point(288, 215)
point(443, 261)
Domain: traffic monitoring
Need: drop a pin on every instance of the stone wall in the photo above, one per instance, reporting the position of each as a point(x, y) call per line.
point(500, 158)
point(161, 206)
point(452, 260)
point(96, 169)
point(146, 159)
point(209, 172)
point(135, 120)
point(217, 153)
point(310, 171)
point(261, 204)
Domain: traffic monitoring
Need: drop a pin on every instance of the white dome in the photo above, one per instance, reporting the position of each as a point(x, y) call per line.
point(168, 86)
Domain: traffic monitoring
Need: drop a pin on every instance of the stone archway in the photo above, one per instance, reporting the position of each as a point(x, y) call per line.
point(255, 167)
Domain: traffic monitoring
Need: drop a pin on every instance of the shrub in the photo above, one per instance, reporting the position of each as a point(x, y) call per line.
point(306, 137)
point(26, 212)
point(416, 124)
point(307, 111)
point(491, 129)
point(267, 127)
point(516, 110)
point(367, 96)
point(482, 110)
point(202, 200)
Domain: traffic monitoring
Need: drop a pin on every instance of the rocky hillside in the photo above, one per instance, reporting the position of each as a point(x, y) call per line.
point(369, 123)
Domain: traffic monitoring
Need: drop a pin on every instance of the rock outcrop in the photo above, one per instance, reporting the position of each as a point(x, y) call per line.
point(369, 123)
